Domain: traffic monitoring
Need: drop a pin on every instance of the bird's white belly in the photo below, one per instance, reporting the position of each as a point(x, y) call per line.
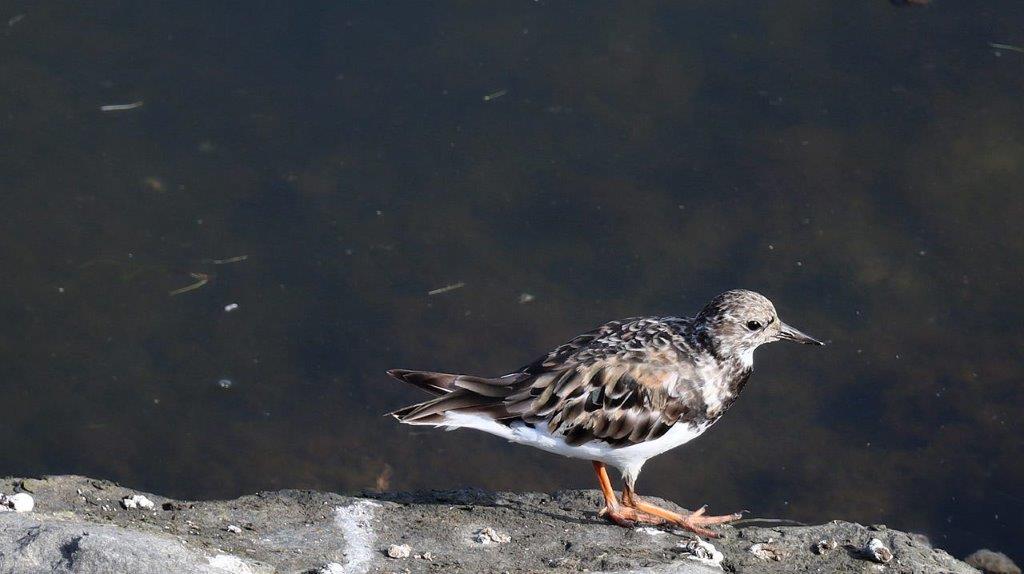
point(625, 458)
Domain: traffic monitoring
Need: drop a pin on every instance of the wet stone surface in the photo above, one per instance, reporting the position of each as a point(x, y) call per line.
point(79, 525)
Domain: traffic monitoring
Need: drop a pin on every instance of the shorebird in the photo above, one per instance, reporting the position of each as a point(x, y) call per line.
point(618, 395)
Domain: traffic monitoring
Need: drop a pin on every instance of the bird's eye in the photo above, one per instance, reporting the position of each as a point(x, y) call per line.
point(753, 325)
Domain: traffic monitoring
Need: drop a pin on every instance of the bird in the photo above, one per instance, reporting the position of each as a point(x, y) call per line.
point(618, 395)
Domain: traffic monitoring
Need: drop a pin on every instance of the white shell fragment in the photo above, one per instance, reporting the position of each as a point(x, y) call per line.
point(490, 536)
point(399, 551)
point(137, 501)
point(766, 551)
point(878, 551)
point(21, 502)
point(702, 551)
point(233, 529)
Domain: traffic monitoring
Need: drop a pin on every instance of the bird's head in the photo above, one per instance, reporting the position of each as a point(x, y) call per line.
point(739, 321)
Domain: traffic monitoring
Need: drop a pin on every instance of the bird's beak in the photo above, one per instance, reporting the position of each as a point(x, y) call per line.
point(791, 334)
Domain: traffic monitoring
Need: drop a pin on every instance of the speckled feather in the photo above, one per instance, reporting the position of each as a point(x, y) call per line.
point(624, 383)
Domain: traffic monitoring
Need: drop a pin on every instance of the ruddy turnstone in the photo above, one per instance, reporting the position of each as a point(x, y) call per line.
point(618, 395)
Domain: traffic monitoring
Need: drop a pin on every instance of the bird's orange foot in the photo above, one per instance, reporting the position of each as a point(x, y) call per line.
point(697, 521)
point(629, 517)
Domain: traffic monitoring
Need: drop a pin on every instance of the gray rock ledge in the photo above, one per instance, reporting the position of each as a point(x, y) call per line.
point(79, 525)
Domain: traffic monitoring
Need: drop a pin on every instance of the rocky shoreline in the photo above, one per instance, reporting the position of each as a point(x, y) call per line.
point(83, 526)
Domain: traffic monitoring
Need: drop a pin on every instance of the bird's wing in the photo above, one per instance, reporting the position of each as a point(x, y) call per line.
point(626, 382)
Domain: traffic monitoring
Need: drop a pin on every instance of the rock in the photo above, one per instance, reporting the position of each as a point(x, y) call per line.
point(991, 562)
point(137, 501)
point(82, 530)
point(876, 550)
point(399, 551)
point(233, 529)
point(32, 543)
point(31, 484)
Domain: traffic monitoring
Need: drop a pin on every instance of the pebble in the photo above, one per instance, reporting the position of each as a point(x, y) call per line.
point(21, 502)
point(877, 551)
point(32, 484)
point(992, 562)
point(233, 529)
point(137, 501)
point(491, 536)
point(331, 568)
point(824, 546)
point(399, 551)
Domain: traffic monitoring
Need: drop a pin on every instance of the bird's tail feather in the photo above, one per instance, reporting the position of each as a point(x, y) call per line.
point(433, 383)
point(464, 393)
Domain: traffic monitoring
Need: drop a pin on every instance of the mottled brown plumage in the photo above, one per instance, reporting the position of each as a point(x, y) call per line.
point(611, 384)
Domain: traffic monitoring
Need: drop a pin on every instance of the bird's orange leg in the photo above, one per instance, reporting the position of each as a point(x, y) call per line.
point(694, 522)
point(621, 515)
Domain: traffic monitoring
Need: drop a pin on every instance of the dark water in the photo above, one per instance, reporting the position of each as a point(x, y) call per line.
point(859, 163)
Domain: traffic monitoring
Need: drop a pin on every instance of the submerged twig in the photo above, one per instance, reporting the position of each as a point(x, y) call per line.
point(121, 107)
point(1009, 47)
point(446, 288)
point(203, 279)
point(495, 95)
point(235, 259)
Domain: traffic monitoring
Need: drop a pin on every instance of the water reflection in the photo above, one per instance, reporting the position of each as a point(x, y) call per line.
point(859, 164)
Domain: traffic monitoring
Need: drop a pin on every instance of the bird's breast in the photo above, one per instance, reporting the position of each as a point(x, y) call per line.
point(721, 386)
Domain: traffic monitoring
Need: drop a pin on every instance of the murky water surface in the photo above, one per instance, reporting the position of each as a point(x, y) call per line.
point(304, 177)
